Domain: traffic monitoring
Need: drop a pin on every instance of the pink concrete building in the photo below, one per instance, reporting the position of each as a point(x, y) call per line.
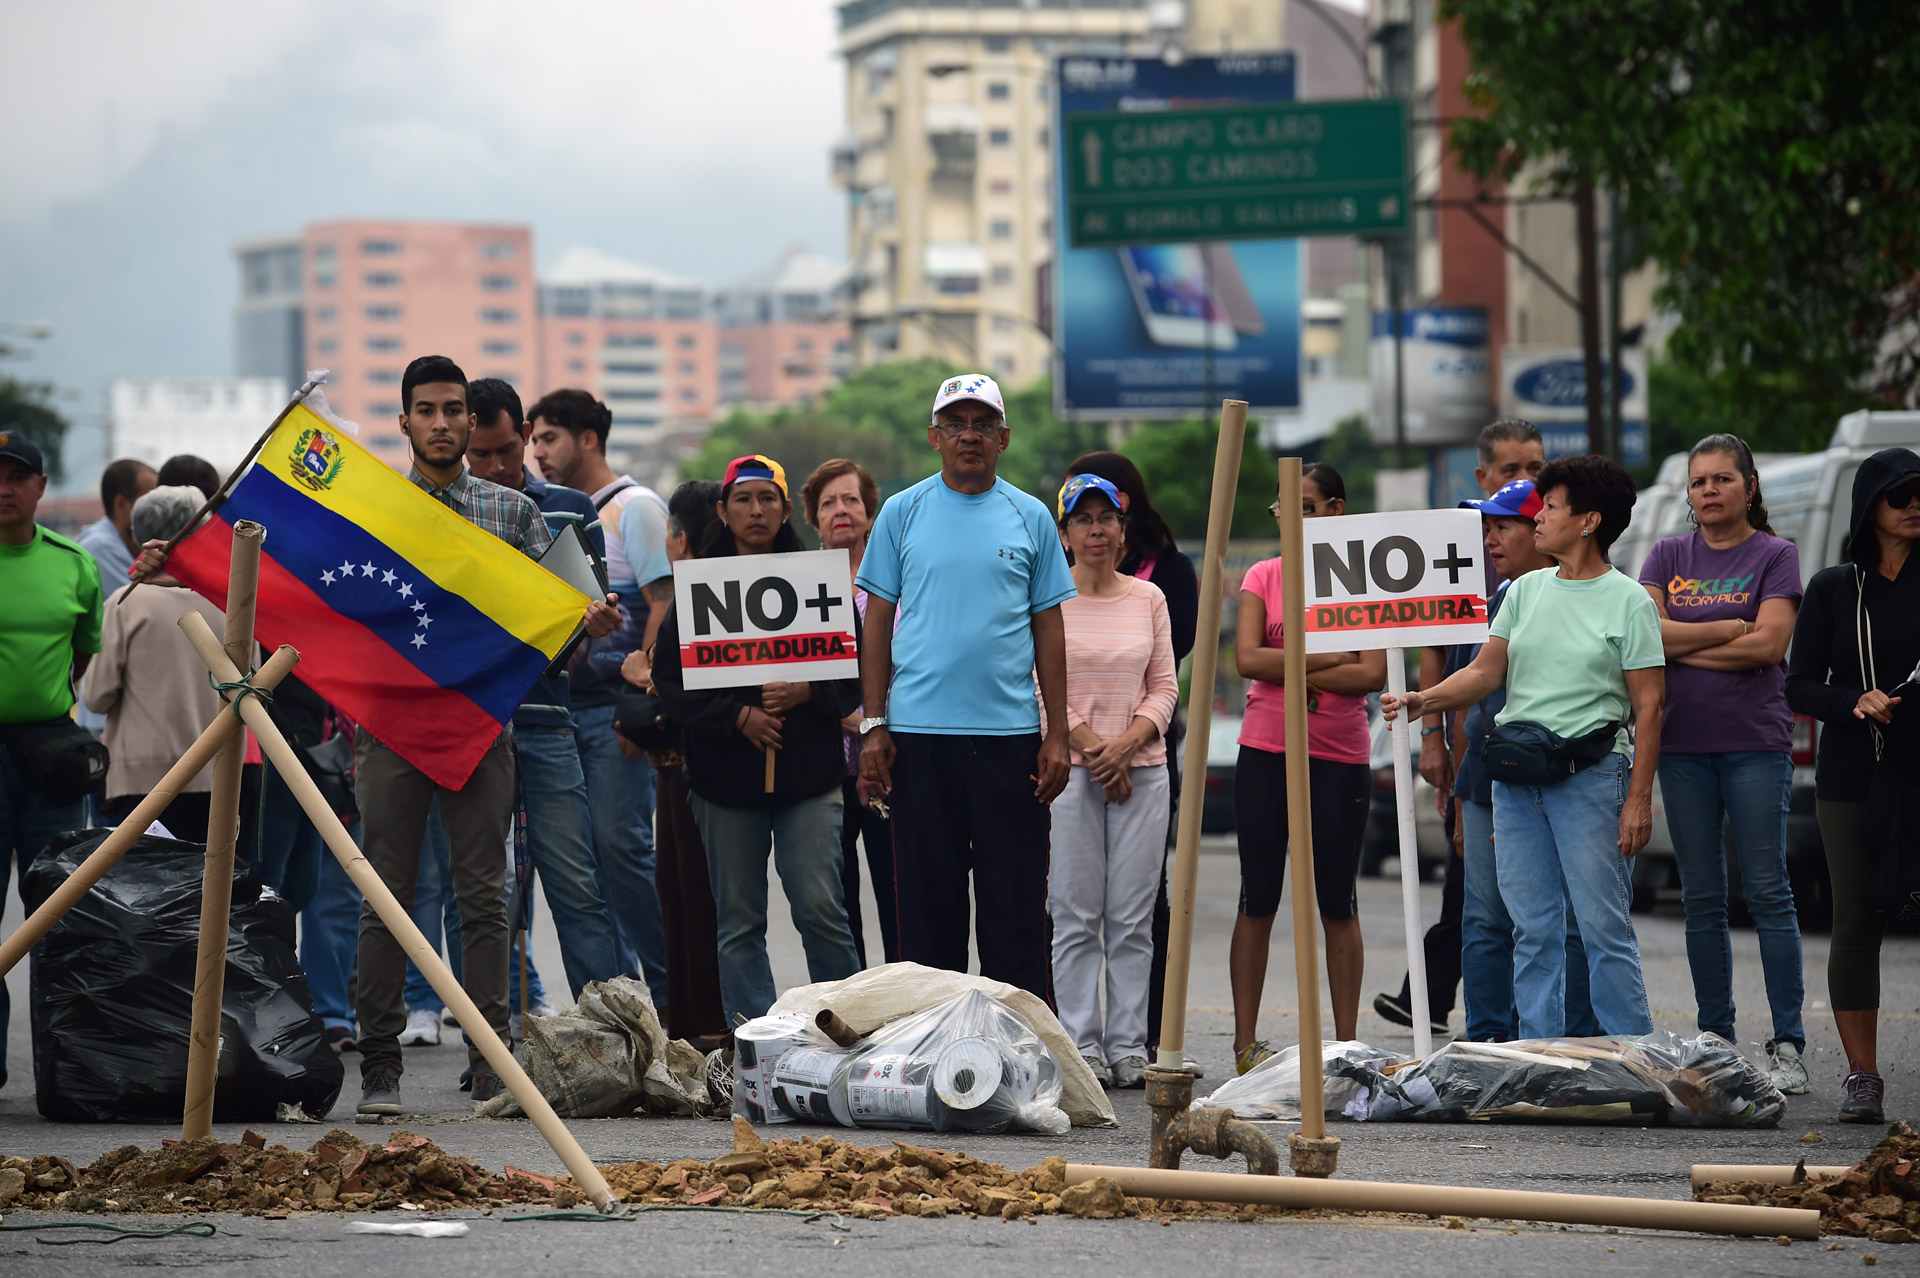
point(379, 293)
point(783, 335)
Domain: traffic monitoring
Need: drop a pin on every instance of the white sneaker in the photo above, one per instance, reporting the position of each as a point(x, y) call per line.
point(423, 1029)
point(1129, 1072)
point(1101, 1074)
point(1786, 1068)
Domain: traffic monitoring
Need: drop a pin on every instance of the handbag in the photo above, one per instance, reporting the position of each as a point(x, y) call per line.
point(57, 758)
point(1528, 753)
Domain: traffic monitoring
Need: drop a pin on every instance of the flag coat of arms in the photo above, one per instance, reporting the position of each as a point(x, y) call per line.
point(426, 629)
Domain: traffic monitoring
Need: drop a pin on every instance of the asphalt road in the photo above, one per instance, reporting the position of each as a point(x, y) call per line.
point(1634, 1162)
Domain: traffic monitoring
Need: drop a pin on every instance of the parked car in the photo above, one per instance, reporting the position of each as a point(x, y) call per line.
point(1223, 752)
point(1809, 497)
point(1383, 818)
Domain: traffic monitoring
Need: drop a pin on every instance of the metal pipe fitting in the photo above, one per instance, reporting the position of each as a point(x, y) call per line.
point(1175, 1126)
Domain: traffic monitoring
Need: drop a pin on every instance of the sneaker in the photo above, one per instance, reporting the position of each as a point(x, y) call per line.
point(1101, 1074)
point(423, 1029)
point(1251, 1055)
point(1394, 1010)
point(466, 1079)
point(341, 1039)
point(1129, 1072)
point(486, 1086)
point(1866, 1094)
point(1786, 1069)
point(448, 1019)
point(380, 1091)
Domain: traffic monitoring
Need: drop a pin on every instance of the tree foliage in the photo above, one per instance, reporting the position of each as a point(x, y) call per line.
point(1767, 158)
point(1176, 460)
point(27, 407)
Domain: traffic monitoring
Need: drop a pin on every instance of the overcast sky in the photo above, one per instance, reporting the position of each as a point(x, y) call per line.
point(142, 139)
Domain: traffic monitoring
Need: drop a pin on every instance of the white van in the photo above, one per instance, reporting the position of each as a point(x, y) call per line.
point(1809, 497)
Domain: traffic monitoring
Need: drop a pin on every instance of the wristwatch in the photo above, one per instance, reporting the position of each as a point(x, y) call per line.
point(871, 722)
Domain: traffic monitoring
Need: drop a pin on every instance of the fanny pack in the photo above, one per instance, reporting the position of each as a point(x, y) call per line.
point(1527, 753)
point(57, 758)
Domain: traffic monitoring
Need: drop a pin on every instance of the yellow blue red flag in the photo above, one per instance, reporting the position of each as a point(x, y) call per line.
point(426, 629)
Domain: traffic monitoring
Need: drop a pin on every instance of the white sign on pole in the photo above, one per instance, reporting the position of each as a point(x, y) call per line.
point(753, 619)
point(1409, 579)
point(1395, 581)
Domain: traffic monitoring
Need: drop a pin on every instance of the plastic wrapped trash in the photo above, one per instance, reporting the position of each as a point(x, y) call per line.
point(880, 995)
point(758, 1046)
point(968, 1064)
point(1271, 1089)
point(112, 994)
point(608, 1057)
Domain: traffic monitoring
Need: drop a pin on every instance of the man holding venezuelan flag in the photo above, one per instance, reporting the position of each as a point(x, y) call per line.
point(414, 618)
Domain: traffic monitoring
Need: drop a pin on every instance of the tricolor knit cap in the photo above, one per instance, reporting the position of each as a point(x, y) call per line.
point(975, 386)
point(1517, 500)
point(1080, 485)
point(754, 466)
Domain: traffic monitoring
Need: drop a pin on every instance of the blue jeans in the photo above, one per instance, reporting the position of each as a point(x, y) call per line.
point(806, 852)
point(1563, 849)
point(27, 825)
point(621, 790)
point(291, 850)
point(436, 911)
point(1751, 789)
point(1486, 943)
point(330, 937)
point(560, 837)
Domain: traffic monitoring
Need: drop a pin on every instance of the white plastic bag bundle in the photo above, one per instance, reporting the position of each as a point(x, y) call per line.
point(1271, 1089)
point(969, 1064)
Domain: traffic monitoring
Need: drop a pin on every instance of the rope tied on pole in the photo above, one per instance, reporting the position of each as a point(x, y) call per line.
point(241, 689)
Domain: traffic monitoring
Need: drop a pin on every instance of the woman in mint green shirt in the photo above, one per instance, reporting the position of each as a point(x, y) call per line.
point(1578, 649)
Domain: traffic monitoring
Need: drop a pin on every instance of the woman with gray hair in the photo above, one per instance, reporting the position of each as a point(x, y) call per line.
point(148, 680)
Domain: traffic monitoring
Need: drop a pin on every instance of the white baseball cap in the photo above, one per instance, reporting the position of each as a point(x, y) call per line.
point(976, 386)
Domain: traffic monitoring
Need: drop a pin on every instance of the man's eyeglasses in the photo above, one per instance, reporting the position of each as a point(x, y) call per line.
point(1306, 508)
point(1901, 498)
point(1107, 519)
point(951, 429)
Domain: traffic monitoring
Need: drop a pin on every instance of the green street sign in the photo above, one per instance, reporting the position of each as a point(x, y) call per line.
point(1258, 171)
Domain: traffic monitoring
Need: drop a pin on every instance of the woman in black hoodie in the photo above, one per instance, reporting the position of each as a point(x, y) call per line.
point(1857, 640)
point(728, 732)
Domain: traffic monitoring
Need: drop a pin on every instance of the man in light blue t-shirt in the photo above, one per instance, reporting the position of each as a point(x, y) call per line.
point(973, 571)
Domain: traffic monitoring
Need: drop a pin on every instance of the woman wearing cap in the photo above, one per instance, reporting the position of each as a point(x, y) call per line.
point(1340, 788)
point(1579, 652)
point(728, 732)
point(1110, 823)
point(841, 499)
point(1856, 653)
point(1728, 593)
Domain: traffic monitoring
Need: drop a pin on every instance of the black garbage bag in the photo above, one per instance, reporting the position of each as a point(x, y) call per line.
point(112, 994)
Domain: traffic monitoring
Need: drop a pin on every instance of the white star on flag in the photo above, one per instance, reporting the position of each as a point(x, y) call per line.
point(366, 569)
point(419, 641)
point(326, 578)
point(346, 570)
point(386, 578)
point(406, 589)
point(424, 621)
point(417, 606)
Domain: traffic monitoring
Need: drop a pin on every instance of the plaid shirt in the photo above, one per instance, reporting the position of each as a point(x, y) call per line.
point(508, 515)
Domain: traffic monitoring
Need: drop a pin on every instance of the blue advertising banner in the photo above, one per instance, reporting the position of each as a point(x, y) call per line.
point(1159, 331)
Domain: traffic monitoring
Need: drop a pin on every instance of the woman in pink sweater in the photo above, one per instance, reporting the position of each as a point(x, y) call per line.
point(1110, 823)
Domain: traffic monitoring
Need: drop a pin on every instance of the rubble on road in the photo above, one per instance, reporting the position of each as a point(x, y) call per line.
point(1877, 1198)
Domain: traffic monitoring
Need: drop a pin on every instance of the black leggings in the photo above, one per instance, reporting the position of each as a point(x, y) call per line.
point(1339, 794)
point(1853, 956)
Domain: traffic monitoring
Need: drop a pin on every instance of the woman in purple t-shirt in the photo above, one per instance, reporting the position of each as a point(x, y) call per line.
point(1728, 596)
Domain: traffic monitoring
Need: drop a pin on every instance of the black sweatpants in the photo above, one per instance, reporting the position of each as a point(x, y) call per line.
point(964, 805)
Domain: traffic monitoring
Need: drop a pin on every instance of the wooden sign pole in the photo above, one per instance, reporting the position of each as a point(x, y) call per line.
point(416, 946)
point(223, 831)
point(1193, 777)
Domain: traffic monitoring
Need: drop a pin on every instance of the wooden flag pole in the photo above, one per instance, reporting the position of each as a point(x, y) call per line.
point(416, 946)
point(223, 831)
point(135, 823)
point(1193, 779)
point(770, 758)
point(1306, 923)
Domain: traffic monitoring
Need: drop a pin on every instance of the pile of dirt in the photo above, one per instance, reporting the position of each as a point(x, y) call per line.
point(340, 1172)
point(1877, 1198)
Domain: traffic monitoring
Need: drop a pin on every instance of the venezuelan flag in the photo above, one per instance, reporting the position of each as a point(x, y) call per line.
point(426, 629)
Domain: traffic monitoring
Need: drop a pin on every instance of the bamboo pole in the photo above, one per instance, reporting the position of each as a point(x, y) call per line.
point(223, 832)
point(1306, 923)
point(770, 755)
point(144, 814)
point(1434, 1200)
point(376, 893)
point(1707, 1173)
point(1193, 779)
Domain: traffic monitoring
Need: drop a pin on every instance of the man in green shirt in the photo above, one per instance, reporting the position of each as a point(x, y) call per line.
point(49, 629)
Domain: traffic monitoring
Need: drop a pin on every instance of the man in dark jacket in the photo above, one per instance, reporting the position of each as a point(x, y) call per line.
point(729, 733)
point(1856, 642)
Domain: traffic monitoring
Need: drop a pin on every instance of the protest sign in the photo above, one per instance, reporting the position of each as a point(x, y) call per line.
point(1409, 579)
point(753, 619)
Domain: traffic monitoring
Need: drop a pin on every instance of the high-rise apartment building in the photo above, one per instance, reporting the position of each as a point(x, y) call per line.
point(218, 418)
point(784, 337)
point(269, 323)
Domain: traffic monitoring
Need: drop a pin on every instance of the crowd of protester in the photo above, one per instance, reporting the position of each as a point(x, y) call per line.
point(1007, 760)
